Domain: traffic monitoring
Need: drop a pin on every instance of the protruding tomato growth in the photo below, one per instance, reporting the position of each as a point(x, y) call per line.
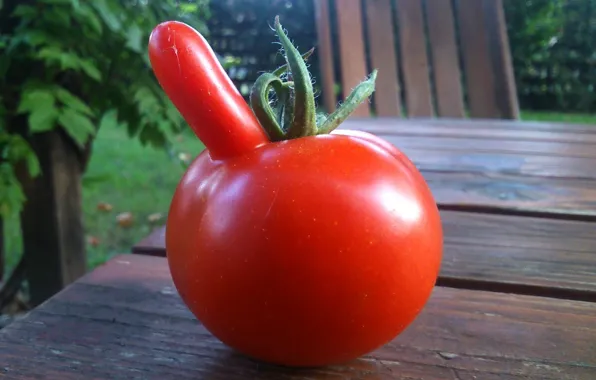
point(189, 72)
point(291, 242)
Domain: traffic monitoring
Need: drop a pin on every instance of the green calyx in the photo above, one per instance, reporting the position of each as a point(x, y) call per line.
point(293, 114)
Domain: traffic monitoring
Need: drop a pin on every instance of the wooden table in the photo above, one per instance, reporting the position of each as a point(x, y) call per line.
point(516, 297)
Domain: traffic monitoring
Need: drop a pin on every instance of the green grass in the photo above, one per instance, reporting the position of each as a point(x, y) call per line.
point(131, 178)
point(559, 117)
point(142, 180)
point(136, 179)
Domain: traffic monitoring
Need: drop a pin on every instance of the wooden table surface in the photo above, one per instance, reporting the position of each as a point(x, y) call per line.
point(516, 297)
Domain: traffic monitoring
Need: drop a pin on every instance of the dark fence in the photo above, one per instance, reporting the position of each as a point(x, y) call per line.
point(553, 44)
point(243, 29)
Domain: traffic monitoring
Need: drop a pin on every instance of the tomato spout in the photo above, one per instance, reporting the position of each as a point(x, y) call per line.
point(189, 72)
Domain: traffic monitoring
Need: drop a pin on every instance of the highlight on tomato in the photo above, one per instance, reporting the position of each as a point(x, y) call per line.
point(291, 242)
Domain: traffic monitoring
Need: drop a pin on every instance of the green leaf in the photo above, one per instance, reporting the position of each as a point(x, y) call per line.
point(41, 106)
point(58, 15)
point(36, 37)
point(24, 11)
point(90, 69)
point(146, 100)
point(109, 119)
point(77, 125)
point(12, 196)
point(108, 15)
point(189, 8)
point(33, 165)
point(53, 54)
point(43, 119)
point(89, 17)
point(72, 101)
point(151, 134)
point(133, 38)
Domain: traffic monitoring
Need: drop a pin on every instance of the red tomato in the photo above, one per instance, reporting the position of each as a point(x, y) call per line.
point(303, 252)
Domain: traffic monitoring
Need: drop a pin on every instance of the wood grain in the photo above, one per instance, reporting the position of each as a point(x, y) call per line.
point(351, 49)
point(414, 59)
point(478, 66)
point(325, 53)
point(524, 255)
point(153, 244)
point(500, 167)
point(383, 57)
point(125, 320)
point(445, 62)
point(481, 130)
point(498, 42)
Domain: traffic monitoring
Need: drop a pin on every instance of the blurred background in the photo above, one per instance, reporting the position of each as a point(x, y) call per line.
point(79, 107)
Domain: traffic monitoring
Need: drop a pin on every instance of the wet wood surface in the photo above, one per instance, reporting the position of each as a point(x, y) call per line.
point(515, 299)
point(524, 255)
point(509, 193)
point(509, 167)
point(125, 320)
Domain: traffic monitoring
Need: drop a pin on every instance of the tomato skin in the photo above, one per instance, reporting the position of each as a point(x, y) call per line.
point(305, 252)
point(189, 72)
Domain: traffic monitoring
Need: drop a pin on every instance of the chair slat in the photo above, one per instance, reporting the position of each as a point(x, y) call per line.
point(505, 88)
point(489, 91)
point(480, 79)
point(351, 49)
point(382, 50)
point(414, 58)
point(325, 54)
point(443, 44)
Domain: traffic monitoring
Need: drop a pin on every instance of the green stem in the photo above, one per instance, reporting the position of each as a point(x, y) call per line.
point(259, 101)
point(283, 68)
point(295, 113)
point(303, 121)
point(357, 96)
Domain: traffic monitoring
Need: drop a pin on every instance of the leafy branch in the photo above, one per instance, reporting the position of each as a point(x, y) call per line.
point(79, 66)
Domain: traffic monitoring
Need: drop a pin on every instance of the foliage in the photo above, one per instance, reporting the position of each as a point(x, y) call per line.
point(79, 66)
point(553, 53)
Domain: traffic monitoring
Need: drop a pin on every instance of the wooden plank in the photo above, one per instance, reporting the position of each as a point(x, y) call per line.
point(512, 164)
point(521, 255)
point(536, 256)
point(478, 67)
point(325, 53)
point(153, 244)
point(351, 50)
point(510, 194)
point(529, 149)
point(133, 319)
point(414, 60)
point(52, 225)
point(445, 62)
point(505, 87)
point(480, 131)
point(494, 124)
point(382, 53)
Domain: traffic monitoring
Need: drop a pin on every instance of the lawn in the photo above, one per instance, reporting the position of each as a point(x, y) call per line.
point(141, 180)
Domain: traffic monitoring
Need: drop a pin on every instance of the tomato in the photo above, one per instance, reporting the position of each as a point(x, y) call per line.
point(299, 246)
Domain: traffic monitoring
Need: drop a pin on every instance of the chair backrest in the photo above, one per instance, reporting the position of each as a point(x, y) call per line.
point(445, 58)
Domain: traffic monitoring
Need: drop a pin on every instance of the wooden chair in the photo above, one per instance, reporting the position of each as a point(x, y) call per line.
point(441, 43)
